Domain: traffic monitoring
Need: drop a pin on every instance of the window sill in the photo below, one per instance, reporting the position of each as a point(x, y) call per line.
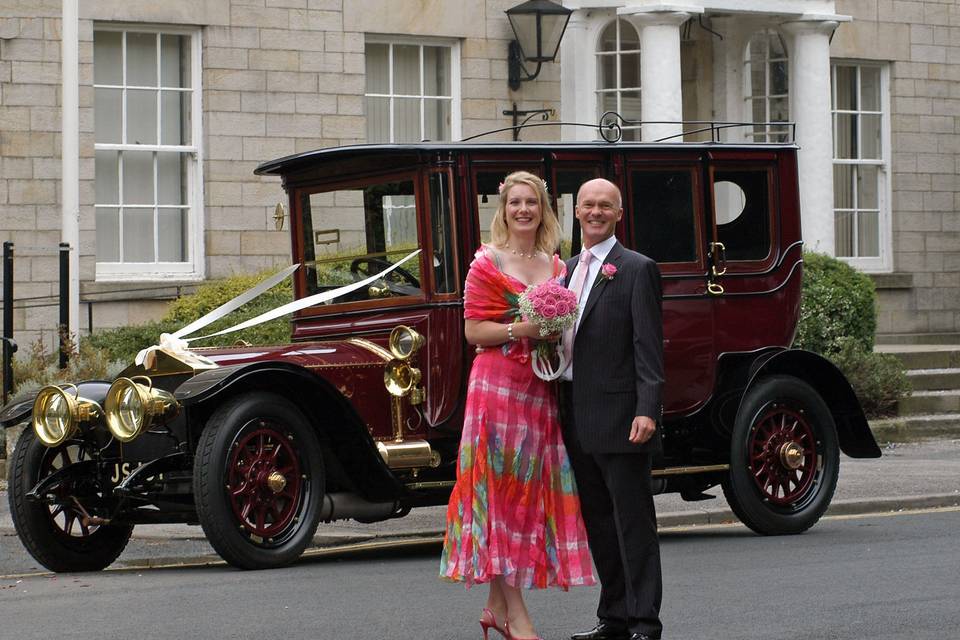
point(890, 281)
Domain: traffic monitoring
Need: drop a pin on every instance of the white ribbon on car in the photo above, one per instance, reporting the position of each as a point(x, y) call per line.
point(178, 343)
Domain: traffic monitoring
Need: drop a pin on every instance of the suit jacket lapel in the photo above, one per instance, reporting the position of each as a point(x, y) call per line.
point(571, 265)
point(616, 252)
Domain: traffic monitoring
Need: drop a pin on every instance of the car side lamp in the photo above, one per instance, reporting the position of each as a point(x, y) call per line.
point(57, 414)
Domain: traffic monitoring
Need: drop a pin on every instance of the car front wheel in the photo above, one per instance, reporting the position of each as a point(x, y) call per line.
point(784, 457)
point(258, 481)
point(57, 530)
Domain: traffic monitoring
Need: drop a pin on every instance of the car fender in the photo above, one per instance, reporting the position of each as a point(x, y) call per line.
point(20, 407)
point(853, 433)
point(353, 456)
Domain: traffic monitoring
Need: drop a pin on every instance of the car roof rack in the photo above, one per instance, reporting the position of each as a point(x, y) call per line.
point(611, 124)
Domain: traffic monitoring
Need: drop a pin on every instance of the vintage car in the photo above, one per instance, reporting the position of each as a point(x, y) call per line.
point(359, 415)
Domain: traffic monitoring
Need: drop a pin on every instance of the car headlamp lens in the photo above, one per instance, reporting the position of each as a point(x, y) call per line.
point(404, 342)
point(131, 406)
point(57, 414)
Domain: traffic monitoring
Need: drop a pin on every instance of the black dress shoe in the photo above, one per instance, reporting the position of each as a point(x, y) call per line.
point(603, 631)
point(641, 636)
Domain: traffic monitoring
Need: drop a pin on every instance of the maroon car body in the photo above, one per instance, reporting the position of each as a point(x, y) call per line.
point(741, 409)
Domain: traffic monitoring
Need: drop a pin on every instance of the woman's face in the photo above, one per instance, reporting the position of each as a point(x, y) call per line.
point(522, 209)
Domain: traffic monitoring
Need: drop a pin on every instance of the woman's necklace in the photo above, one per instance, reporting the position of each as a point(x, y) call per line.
point(517, 252)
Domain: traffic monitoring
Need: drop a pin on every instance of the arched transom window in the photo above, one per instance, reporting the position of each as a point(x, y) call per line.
point(766, 86)
point(618, 73)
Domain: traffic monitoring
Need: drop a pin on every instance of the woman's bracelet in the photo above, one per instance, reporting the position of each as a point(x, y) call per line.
point(510, 335)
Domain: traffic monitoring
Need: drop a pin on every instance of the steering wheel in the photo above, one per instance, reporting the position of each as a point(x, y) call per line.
point(398, 276)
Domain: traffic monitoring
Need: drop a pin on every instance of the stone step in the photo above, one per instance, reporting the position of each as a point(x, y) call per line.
point(918, 338)
point(934, 379)
point(908, 428)
point(941, 356)
point(930, 402)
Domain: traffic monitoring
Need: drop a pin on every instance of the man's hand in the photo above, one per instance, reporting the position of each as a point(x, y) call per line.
point(642, 429)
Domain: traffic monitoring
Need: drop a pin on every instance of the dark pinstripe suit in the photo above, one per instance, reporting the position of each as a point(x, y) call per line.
point(617, 375)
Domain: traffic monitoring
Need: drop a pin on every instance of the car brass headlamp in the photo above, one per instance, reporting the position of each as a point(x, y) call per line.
point(131, 406)
point(399, 377)
point(404, 342)
point(57, 414)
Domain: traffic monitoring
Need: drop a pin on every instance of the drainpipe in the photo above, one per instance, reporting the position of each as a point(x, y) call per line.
point(70, 154)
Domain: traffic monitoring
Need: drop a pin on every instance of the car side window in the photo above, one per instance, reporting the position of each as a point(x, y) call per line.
point(441, 223)
point(742, 208)
point(352, 233)
point(664, 222)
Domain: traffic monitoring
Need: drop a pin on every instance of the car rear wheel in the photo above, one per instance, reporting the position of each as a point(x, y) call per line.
point(784, 457)
point(258, 481)
point(57, 532)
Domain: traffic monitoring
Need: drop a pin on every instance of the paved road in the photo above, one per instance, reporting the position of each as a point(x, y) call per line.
point(852, 577)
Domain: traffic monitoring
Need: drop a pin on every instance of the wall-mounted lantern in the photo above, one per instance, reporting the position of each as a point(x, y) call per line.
point(538, 26)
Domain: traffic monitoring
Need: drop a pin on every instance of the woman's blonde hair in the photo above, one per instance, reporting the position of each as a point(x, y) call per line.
point(548, 233)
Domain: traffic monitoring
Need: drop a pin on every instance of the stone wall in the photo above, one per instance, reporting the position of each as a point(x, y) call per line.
point(921, 40)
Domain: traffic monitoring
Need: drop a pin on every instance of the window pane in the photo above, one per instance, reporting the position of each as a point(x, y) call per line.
point(172, 235)
point(378, 80)
point(630, 70)
point(843, 186)
point(758, 79)
point(608, 39)
point(107, 67)
point(845, 136)
point(353, 233)
point(174, 107)
point(174, 61)
point(630, 105)
point(779, 110)
point(138, 235)
point(171, 178)
point(760, 110)
point(107, 167)
point(108, 235)
point(664, 223)
point(137, 177)
point(870, 136)
point(142, 59)
point(406, 120)
point(747, 236)
point(870, 88)
point(867, 187)
point(843, 232)
point(444, 277)
point(778, 78)
point(436, 119)
point(378, 119)
point(608, 71)
point(868, 234)
point(141, 117)
point(436, 71)
point(107, 115)
point(629, 38)
point(776, 45)
point(846, 88)
point(406, 69)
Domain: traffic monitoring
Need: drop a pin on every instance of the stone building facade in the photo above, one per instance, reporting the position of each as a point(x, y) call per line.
point(178, 102)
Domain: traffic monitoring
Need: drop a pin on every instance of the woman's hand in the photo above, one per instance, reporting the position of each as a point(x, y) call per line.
point(531, 330)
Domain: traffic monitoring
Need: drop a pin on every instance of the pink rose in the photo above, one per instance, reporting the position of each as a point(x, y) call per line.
point(549, 310)
point(608, 271)
point(563, 308)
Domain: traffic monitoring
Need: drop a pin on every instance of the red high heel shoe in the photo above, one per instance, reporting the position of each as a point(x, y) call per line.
point(510, 636)
point(489, 621)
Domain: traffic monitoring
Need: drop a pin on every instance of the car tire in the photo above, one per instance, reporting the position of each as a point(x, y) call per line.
point(55, 534)
point(258, 481)
point(784, 457)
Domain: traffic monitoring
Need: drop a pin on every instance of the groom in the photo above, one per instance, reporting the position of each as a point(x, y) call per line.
point(610, 406)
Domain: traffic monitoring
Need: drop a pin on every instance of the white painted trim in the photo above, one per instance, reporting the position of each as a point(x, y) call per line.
point(70, 154)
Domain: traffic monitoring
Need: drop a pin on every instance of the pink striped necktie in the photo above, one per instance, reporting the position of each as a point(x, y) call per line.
point(576, 286)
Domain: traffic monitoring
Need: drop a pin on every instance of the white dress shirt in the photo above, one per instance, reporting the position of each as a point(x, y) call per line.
point(600, 252)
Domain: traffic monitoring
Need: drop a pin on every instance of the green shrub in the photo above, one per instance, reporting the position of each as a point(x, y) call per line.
point(877, 378)
point(37, 368)
point(838, 303)
point(838, 319)
point(123, 343)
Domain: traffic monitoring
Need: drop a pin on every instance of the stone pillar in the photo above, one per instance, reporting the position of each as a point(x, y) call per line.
point(728, 76)
point(578, 66)
point(810, 109)
point(660, 93)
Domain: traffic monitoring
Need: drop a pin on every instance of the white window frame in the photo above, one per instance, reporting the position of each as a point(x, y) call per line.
point(454, 97)
point(771, 132)
point(616, 53)
point(881, 263)
point(193, 268)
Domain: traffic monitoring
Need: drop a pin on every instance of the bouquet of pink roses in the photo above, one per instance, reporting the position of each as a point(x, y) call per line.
point(554, 308)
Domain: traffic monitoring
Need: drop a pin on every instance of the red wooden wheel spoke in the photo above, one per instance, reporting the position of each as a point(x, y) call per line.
point(781, 426)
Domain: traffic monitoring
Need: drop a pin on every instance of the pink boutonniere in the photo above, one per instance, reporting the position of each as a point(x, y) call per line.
point(608, 271)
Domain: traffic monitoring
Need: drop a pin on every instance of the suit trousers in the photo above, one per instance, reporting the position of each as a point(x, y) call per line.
point(620, 517)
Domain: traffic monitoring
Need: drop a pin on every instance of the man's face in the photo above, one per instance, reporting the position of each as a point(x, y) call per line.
point(598, 210)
